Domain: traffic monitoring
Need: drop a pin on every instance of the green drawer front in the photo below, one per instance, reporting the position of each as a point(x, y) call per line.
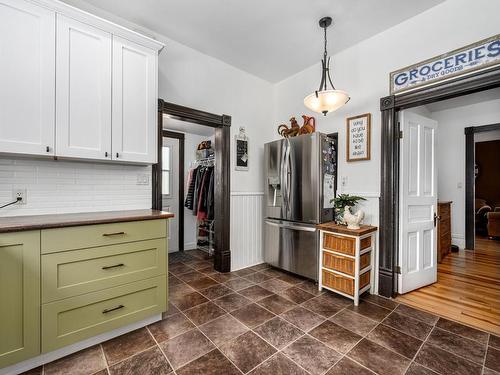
point(71, 238)
point(74, 319)
point(71, 273)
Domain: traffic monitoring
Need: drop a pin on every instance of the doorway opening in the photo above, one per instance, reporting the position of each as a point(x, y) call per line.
point(434, 186)
point(186, 135)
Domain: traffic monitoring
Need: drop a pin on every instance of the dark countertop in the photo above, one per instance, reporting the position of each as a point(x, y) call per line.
point(22, 223)
point(342, 229)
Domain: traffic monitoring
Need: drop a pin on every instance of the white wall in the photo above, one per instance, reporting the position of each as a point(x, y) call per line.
point(363, 70)
point(451, 156)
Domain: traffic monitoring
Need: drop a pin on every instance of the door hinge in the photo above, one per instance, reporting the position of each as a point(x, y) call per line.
point(397, 269)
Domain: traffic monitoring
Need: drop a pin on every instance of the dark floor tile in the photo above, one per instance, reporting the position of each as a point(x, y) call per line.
point(252, 315)
point(494, 341)
point(487, 371)
point(444, 362)
point(216, 291)
point(102, 372)
point(354, 322)
point(191, 276)
point(416, 369)
point(296, 294)
point(260, 267)
point(186, 347)
point(231, 302)
point(238, 284)
point(255, 293)
point(172, 280)
point(395, 340)
point(209, 270)
point(410, 326)
point(273, 272)
point(179, 290)
point(417, 314)
point(35, 371)
point(291, 279)
point(87, 361)
point(312, 355)
point(275, 285)
point(381, 301)
point(335, 298)
point(151, 362)
point(200, 264)
point(212, 363)
point(196, 253)
point(310, 287)
point(171, 310)
point(179, 268)
point(379, 359)
point(276, 304)
point(223, 329)
point(469, 349)
point(336, 337)
point(462, 330)
point(370, 310)
point(124, 346)
point(170, 327)
point(493, 359)
point(247, 351)
point(204, 313)
point(243, 272)
point(302, 318)
point(189, 300)
point(223, 277)
point(347, 366)
point(322, 306)
point(278, 365)
point(257, 277)
point(202, 283)
point(278, 332)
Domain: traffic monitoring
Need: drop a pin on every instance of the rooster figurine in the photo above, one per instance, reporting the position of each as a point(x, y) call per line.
point(351, 220)
point(295, 129)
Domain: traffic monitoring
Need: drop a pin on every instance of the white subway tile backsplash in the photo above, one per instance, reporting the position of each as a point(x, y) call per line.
point(71, 186)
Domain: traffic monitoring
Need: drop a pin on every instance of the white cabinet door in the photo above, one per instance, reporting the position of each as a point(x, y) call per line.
point(27, 74)
point(134, 102)
point(83, 89)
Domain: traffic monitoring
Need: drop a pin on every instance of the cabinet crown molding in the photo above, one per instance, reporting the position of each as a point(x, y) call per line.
point(101, 23)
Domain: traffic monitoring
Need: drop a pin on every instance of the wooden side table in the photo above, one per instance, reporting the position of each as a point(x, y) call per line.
point(346, 259)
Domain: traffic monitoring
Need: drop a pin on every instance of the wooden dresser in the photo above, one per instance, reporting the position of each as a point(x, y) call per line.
point(444, 230)
point(346, 259)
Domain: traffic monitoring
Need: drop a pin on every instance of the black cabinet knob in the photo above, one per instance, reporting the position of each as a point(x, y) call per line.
point(106, 154)
point(47, 149)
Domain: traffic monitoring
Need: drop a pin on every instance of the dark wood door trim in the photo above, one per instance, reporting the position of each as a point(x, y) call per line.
point(389, 179)
point(470, 180)
point(180, 137)
point(222, 193)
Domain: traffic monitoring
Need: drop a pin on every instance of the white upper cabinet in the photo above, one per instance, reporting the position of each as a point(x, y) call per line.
point(83, 90)
point(27, 76)
point(135, 93)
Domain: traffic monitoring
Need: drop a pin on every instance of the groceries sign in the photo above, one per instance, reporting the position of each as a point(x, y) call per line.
point(480, 55)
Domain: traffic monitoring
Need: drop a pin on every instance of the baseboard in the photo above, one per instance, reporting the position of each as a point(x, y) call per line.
point(459, 240)
point(70, 349)
point(190, 246)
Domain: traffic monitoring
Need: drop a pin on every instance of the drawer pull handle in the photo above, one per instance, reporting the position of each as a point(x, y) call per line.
point(113, 234)
point(105, 311)
point(113, 266)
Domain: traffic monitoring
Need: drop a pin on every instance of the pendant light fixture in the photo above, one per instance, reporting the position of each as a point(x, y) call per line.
point(326, 99)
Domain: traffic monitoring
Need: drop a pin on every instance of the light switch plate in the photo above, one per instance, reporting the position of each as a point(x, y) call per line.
point(142, 179)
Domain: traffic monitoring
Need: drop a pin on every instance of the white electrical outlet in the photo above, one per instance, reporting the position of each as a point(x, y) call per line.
point(20, 193)
point(142, 179)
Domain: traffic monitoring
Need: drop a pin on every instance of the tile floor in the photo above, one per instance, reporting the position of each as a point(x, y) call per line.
point(263, 321)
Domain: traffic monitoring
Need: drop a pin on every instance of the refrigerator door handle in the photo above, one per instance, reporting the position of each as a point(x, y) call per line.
point(281, 224)
point(284, 177)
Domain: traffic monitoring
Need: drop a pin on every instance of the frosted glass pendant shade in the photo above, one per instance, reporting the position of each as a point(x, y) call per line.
point(326, 101)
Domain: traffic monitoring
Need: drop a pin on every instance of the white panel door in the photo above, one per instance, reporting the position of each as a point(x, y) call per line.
point(135, 105)
point(418, 202)
point(27, 74)
point(83, 81)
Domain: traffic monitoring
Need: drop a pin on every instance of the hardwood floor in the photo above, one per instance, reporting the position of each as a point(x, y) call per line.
point(468, 288)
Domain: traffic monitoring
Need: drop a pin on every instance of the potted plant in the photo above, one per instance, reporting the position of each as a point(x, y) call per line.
point(340, 202)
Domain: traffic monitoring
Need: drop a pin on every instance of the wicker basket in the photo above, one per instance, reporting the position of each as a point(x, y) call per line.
point(364, 260)
point(364, 279)
point(338, 263)
point(344, 245)
point(343, 284)
point(365, 243)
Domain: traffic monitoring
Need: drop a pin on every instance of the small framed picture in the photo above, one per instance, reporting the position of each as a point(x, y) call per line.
point(358, 137)
point(241, 151)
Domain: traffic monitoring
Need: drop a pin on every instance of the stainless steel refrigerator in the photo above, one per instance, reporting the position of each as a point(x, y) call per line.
point(300, 181)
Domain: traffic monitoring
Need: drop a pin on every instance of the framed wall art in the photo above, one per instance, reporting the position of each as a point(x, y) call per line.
point(358, 137)
point(241, 151)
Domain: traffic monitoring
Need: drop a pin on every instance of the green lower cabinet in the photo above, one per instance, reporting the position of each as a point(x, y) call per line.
point(77, 318)
point(19, 296)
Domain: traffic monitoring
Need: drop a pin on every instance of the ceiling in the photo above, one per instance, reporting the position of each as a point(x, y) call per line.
point(180, 126)
point(271, 39)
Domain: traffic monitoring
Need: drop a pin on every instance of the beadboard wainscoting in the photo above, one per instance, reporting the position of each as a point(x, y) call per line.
point(247, 217)
point(69, 186)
